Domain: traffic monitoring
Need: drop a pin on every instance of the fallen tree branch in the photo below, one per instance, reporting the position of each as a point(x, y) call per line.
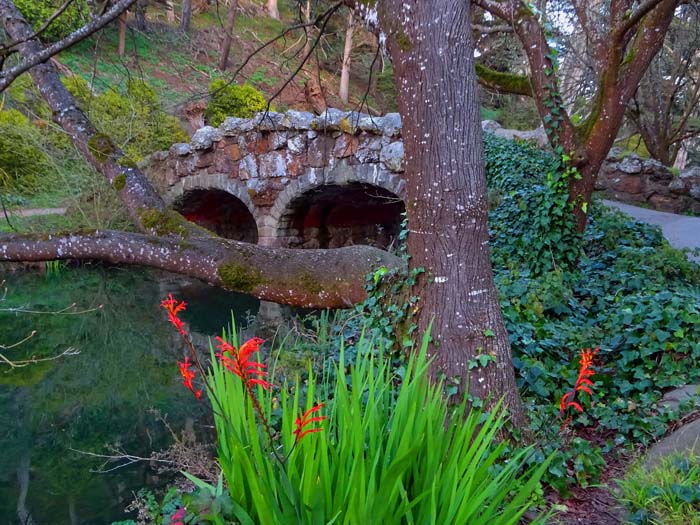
point(307, 278)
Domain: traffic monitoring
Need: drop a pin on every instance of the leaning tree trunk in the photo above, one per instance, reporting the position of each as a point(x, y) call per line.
point(347, 52)
point(311, 278)
point(228, 36)
point(432, 50)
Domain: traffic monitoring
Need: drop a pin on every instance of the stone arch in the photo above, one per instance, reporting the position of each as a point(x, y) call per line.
point(217, 203)
point(333, 207)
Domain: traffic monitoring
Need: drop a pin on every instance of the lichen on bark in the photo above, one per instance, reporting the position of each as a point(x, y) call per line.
point(240, 278)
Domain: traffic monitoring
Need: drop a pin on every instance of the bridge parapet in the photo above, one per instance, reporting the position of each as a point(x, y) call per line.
point(274, 160)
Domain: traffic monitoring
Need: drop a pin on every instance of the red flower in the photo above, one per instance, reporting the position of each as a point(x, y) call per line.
point(174, 308)
point(188, 376)
point(306, 420)
point(583, 381)
point(178, 517)
point(239, 361)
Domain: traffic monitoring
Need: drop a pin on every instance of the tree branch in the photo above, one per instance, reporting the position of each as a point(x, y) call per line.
point(11, 15)
point(503, 82)
point(307, 278)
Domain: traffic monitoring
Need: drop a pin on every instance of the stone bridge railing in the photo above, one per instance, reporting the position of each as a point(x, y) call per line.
point(288, 173)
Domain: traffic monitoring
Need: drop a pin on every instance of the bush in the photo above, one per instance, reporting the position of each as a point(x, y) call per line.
point(22, 162)
point(38, 11)
point(134, 119)
point(232, 101)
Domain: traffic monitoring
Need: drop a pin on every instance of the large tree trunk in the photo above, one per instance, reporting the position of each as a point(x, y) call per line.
point(432, 50)
point(347, 51)
point(186, 15)
point(228, 37)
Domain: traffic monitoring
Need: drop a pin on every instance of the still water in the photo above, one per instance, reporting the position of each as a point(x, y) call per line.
point(107, 398)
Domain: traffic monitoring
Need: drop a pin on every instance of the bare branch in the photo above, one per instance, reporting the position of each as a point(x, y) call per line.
point(9, 11)
point(43, 28)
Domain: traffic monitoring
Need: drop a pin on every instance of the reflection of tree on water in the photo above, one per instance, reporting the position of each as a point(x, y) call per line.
point(86, 402)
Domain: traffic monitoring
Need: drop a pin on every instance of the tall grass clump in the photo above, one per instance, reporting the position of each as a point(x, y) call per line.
point(380, 449)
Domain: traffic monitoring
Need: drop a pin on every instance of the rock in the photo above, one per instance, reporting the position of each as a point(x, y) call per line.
point(684, 441)
point(269, 121)
point(273, 165)
point(247, 167)
point(490, 125)
point(278, 139)
point(391, 125)
point(674, 398)
point(371, 124)
point(204, 138)
point(299, 120)
point(368, 150)
point(630, 164)
point(392, 156)
point(329, 120)
point(297, 144)
point(345, 146)
point(235, 126)
point(180, 149)
point(627, 184)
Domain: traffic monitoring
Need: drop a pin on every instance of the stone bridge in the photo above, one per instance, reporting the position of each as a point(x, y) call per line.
point(290, 180)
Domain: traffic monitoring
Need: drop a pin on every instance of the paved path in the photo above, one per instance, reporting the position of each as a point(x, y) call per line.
point(31, 212)
point(680, 230)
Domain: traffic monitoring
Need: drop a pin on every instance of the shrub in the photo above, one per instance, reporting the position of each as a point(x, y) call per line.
point(134, 119)
point(38, 11)
point(22, 162)
point(232, 101)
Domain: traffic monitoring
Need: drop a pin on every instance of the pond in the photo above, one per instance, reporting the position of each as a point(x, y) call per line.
point(109, 398)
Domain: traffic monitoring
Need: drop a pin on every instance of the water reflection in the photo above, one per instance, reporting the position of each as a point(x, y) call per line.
point(98, 399)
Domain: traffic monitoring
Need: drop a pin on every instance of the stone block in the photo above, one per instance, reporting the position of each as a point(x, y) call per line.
point(391, 156)
point(272, 165)
point(345, 146)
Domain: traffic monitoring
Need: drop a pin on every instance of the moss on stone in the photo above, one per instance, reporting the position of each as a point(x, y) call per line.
point(101, 147)
point(240, 278)
point(166, 222)
point(119, 182)
point(506, 82)
point(310, 283)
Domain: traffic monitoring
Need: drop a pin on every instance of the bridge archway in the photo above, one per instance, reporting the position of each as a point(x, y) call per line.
point(217, 203)
point(340, 207)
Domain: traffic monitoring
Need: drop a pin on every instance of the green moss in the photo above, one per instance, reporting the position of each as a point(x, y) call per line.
point(164, 222)
point(583, 130)
point(310, 283)
point(127, 162)
point(101, 147)
point(240, 278)
point(119, 182)
point(403, 42)
point(507, 82)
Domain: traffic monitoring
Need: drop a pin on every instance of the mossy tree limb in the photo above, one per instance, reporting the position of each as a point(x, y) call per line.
point(508, 83)
point(305, 278)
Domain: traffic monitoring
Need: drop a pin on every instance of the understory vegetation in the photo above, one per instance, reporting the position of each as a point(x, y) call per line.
point(624, 291)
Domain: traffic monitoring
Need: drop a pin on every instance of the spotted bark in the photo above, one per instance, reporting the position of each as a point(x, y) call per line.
point(432, 50)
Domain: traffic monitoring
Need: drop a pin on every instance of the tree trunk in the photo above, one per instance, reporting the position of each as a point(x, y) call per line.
point(186, 16)
point(347, 51)
point(170, 11)
point(272, 9)
point(121, 47)
point(141, 6)
point(228, 37)
point(432, 50)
